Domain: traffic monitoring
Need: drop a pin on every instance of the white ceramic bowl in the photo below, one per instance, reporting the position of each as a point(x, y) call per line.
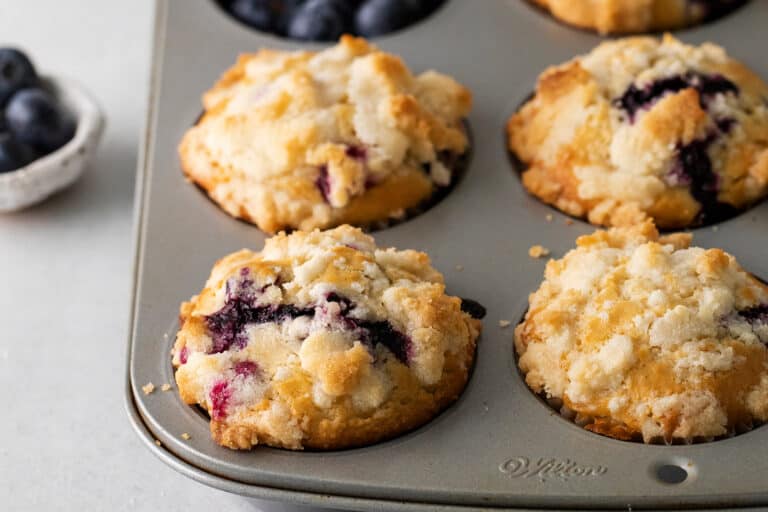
point(38, 180)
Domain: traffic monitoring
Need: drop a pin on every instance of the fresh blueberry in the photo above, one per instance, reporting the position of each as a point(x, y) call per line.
point(285, 12)
point(13, 154)
point(16, 72)
point(34, 118)
point(259, 14)
point(321, 20)
point(378, 17)
point(635, 98)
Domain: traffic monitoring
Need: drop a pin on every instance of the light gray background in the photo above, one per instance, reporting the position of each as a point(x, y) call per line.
point(65, 441)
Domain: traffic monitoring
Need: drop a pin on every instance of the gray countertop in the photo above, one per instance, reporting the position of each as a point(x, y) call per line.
point(65, 440)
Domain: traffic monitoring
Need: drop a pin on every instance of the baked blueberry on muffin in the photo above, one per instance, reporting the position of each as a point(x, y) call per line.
point(635, 16)
point(646, 128)
point(322, 340)
point(643, 336)
point(317, 139)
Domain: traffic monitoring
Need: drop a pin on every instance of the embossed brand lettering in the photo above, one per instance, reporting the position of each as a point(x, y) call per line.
point(548, 467)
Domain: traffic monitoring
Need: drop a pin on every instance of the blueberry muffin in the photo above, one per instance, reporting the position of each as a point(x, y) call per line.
point(322, 340)
point(642, 336)
point(646, 128)
point(636, 16)
point(316, 139)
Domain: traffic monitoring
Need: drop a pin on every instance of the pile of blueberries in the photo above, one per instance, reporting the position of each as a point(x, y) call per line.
point(32, 123)
point(327, 20)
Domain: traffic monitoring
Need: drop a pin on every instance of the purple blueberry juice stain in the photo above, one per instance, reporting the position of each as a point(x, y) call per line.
point(219, 395)
point(756, 314)
point(227, 325)
point(184, 355)
point(693, 169)
point(642, 98)
point(323, 183)
point(373, 332)
point(246, 369)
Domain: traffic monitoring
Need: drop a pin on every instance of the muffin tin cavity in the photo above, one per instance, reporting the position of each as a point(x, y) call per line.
point(327, 20)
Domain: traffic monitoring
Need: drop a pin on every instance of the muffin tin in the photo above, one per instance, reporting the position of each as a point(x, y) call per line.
point(499, 446)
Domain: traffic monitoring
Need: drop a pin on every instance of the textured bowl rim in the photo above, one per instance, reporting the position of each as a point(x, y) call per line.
point(90, 126)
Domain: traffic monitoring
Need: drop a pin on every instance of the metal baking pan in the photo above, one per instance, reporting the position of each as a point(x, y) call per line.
point(499, 446)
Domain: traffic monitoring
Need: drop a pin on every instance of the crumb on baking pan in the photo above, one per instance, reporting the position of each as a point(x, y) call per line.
point(148, 388)
point(538, 251)
point(158, 443)
point(186, 436)
point(165, 387)
point(504, 323)
point(549, 217)
point(459, 267)
point(568, 222)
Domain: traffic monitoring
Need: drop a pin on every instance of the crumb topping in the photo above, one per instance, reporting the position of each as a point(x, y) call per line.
point(538, 251)
point(326, 311)
point(646, 128)
point(650, 335)
point(313, 139)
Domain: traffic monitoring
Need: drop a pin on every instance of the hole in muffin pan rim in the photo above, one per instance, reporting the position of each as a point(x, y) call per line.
point(458, 471)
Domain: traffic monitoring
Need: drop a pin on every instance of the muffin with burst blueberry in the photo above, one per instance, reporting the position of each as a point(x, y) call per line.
point(327, 20)
point(646, 128)
point(642, 337)
point(635, 16)
point(316, 139)
point(322, 340)
point(32, 123)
